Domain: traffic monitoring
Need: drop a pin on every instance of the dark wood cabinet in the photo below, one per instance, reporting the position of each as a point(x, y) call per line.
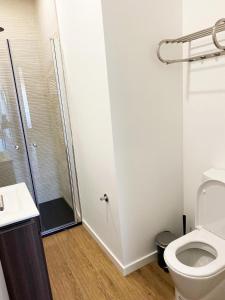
point(23, 261)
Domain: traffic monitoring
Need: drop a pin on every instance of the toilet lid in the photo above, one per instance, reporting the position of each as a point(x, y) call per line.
point(210, 210)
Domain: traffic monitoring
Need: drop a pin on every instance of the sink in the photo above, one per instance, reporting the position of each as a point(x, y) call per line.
point(18, 204)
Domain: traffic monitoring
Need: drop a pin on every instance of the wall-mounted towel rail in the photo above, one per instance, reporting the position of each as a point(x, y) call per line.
point(218, 27)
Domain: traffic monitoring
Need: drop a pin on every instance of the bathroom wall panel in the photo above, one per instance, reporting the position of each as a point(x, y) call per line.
point(146, 109)
point(203, 102)
point(82, 38)
point(47, 19)
point(126, 116)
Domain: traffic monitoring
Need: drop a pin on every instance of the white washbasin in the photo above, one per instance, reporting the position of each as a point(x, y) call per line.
point(18, 204)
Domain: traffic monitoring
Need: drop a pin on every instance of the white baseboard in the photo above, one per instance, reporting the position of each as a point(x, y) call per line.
point(124, 269)
point(139, 263)
point(103, 246)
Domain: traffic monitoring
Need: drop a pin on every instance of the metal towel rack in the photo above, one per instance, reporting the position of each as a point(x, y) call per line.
point(218, 27)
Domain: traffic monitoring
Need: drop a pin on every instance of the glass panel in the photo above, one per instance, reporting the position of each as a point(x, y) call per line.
point(14, 164)
point(58, 64)
point(45, 134)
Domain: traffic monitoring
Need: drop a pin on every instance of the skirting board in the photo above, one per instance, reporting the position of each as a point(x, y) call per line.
point(124, 269)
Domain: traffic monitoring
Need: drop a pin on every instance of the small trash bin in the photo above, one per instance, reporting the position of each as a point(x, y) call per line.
point(162, 240)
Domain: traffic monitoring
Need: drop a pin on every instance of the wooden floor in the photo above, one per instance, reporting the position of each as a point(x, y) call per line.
point(79, 270)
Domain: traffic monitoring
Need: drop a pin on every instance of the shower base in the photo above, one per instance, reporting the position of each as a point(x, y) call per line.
point(55, 214)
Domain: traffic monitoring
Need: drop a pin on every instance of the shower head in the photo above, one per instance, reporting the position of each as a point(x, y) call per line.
point(1, 29)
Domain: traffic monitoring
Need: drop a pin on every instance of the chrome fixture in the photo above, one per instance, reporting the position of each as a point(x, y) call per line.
point(104, 198)
point(218, 27)
point(1, 203)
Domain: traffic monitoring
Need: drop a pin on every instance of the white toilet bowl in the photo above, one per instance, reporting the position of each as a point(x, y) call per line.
point(197, 265)
point(196, 261)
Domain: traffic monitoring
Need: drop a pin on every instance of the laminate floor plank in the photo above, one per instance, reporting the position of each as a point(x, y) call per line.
point(80, 270)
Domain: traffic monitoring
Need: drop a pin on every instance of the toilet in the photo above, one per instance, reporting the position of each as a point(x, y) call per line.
point(196, 261)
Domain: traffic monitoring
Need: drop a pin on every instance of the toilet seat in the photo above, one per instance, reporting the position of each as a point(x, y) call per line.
point(197, 236)
point(196, 261)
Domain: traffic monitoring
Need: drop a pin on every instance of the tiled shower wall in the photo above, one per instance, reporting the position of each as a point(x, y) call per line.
point(13, 164)
point(35, 75)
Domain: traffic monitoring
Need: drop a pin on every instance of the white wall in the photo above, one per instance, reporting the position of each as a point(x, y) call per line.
point(146, 102)
point(204, 102)
point(81, 31)
point(47, 18)
point(140, 119)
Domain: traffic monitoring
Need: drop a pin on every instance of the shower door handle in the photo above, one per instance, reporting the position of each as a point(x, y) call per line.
point(1, 203)
point(17, 147)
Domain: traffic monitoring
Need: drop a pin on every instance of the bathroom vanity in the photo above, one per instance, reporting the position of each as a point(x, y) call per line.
point(21, 249)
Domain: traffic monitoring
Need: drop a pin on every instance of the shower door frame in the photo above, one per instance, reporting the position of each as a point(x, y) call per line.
point(67, 133)
point(64, 110)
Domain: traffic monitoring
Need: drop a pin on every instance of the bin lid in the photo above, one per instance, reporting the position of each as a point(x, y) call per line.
point(164, 238)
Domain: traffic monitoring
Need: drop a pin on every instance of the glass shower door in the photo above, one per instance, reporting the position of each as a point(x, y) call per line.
point(14, 162)
point(42, 116)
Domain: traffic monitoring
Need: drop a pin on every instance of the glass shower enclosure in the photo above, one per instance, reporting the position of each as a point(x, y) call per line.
point(35, 137)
